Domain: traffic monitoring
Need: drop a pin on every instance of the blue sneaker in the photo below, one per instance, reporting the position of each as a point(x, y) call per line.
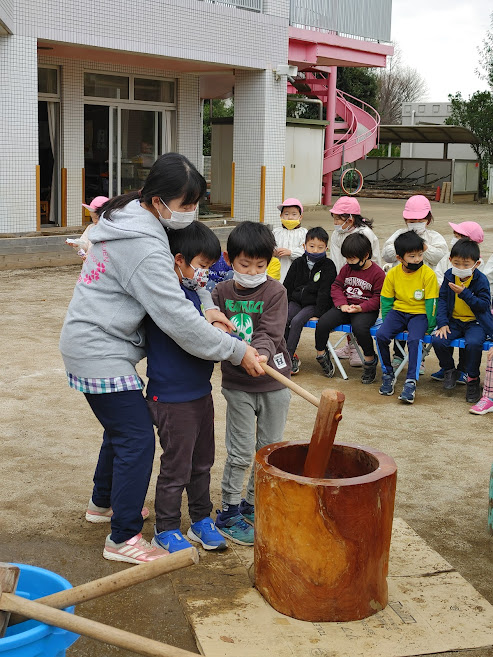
point(236, 529)
point(438, 376)
point(388, 383)
point(462, 378)
point(204, 532)
point(171, 540)
point(247, 511)
point(408, 391)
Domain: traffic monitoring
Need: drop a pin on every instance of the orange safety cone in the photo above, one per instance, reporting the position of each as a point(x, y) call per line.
point(437, 193)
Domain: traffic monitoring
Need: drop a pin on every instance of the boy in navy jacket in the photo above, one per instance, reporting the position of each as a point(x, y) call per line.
point(464, 311)
point(308, 284)
point(180, 402)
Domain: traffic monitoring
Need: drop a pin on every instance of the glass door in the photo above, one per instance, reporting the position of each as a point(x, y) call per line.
point(96, 151)
point(141, 139)
point(120, 146)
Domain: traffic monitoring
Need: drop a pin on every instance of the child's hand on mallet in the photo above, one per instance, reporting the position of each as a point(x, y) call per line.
point(456, 288)
point(442, 332)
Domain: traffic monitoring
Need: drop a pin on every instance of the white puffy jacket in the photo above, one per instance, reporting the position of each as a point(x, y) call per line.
point(436, 248)
point(292, 240)
point(338, 237)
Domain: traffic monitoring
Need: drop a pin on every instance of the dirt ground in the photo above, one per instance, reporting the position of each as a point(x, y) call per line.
point(50, 442)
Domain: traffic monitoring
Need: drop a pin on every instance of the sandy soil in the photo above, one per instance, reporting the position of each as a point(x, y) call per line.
point(50, 442)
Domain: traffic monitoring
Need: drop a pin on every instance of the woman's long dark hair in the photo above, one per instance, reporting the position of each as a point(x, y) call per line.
point(171, 176)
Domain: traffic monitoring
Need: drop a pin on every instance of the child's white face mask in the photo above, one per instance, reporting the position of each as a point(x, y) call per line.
point(249, 280)
point(418, 226)
point(463, 273)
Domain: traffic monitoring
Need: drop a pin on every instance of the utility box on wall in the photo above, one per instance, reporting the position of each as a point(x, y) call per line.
point(303, 160)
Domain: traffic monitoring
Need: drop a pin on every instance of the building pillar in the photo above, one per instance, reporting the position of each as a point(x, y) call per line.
point(19, 133)
point(72, 115)
point(259, 137)
point(329, 130)
point(189, 120)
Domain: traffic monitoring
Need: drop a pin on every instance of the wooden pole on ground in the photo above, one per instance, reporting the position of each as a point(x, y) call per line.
point(115, 582)
point(104, 633)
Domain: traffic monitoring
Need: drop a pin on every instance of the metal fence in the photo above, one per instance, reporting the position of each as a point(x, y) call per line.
point(252, 5)
point(364, 19)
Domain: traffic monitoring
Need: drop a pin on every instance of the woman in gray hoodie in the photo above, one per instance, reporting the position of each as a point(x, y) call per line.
point(128, 273)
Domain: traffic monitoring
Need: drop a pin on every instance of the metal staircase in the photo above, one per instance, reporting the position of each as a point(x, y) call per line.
point(356, 126)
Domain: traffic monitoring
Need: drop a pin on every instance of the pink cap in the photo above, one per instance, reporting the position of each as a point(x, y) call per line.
point(469, 229)
point(289, 202)
point(417, 207)
point(346, 205)
point(96, 203)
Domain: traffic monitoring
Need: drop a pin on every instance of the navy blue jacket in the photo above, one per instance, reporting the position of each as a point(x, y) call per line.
point(477, 296)
point(174, 374)
point(311, 287)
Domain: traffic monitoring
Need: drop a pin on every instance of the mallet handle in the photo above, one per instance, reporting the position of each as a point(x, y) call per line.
point(116, 581)
point(104, 633)
point(289, 384)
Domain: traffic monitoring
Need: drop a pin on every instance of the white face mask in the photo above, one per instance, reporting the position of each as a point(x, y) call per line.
point(453, 241)
point(339, 228)
point(178, 219)
point(418, 226)
point(462, 273)
point(249, 280)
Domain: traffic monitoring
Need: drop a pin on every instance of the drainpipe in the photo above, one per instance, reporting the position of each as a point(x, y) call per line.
point(329, 130)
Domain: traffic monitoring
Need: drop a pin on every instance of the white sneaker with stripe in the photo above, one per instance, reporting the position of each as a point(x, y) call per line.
point(134, 550)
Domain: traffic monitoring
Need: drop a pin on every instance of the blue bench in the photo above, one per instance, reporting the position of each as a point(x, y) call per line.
point(347, 330)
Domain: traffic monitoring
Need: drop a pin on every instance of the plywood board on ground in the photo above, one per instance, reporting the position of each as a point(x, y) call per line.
point(431, 609)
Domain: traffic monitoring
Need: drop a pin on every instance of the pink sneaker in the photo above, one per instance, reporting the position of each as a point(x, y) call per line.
point(97, 514)
point(343, 352)
point(354, 359)
point(135, 550)
point(484, 405)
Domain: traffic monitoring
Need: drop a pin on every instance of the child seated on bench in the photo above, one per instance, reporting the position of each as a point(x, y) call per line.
point(408, 298)
point(308, 284)
point(356, 297)
point(464, 311)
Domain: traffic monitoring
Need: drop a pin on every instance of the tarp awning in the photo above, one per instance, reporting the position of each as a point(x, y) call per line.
point(426, 134)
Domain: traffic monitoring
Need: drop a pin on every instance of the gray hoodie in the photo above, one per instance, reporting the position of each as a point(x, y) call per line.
point(128, 272)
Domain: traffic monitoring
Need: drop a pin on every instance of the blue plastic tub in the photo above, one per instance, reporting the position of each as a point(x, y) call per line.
point(34, 639)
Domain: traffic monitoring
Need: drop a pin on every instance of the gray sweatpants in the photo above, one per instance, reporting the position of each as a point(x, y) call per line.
point(244, 439)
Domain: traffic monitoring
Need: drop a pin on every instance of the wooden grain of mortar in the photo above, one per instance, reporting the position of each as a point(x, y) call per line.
point(322, 543)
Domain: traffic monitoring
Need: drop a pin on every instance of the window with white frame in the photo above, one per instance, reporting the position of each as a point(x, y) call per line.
point(129, 87)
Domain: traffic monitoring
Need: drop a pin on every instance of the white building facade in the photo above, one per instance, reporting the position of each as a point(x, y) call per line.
point(91, 94)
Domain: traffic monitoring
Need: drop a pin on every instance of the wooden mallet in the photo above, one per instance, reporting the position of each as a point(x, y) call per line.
point(328, 417)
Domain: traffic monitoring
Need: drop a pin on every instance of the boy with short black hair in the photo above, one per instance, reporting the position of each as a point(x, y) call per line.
point(180, 402)
point(356, 296)
point(308, 284)
point(464, 311)
point(408, 300)
point(257, 305)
